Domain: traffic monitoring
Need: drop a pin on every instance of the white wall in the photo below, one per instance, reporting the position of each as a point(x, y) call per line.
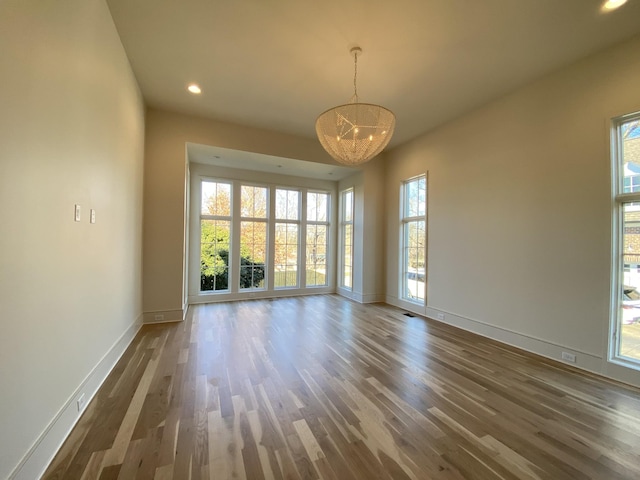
point(71, 132)
point(519, 206)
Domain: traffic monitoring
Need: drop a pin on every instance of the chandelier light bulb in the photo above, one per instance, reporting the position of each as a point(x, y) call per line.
point(613, 4)
point(195, 89)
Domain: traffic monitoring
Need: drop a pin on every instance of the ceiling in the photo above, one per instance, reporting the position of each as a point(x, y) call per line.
point(258, 162)
point(277, 64)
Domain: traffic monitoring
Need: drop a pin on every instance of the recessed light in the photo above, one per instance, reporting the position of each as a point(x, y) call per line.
point(613, 4)
point(195, 89)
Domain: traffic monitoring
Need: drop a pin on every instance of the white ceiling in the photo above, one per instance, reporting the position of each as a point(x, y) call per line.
point(257, 162)
point(277, 64)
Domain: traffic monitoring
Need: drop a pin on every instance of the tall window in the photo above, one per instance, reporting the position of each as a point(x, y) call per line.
point(625, 339)
point(414, 239)
point(286, 238)
point(253, 236)
point(215, 235)
point(317, 235)
point(346, 238)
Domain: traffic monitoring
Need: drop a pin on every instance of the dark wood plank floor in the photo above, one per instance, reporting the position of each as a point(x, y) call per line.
point(321, 387)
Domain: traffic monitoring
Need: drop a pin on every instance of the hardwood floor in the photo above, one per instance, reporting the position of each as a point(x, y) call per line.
point(321, 387)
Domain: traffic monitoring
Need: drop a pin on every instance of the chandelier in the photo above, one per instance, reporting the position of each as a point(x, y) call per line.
point(356, 132)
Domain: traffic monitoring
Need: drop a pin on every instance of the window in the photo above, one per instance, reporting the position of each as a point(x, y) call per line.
point(631, 184)
point(414, 239)
point(346, 238)
point(249, 239)
point(317, 235)
point(253, 236)
point(625, 337)
point(215, 235)
point(286, 238)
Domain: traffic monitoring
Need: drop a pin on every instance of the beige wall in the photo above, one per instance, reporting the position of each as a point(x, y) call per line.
point(373, 265)
point(165, 162)
point(519, 209)
point(71, 132)
point(368, 237)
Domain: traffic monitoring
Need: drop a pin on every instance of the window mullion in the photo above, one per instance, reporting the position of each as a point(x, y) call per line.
point(302, 240)
point(627, 197)
point(234, 250)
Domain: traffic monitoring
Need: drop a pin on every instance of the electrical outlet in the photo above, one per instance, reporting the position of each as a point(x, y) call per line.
point(81, 402)
point(159, 318)
point(568, 357)
point(92, 217)
point(440, 316)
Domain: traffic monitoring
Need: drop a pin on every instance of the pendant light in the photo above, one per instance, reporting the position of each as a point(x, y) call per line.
point(356, 132)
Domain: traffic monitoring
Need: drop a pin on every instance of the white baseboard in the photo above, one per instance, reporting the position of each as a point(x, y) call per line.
point(350, 294)
point(39, 456)
point(403, 304)
point(163, 316)
point(258, 295)
point(584, 360)
point(360, 297)
point(590, 362)
point(372, 298)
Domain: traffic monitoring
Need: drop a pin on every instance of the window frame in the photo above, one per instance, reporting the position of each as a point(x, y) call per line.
point(327, 224)
point(225, 218)
point(619, 199)
point(344, 224)
point(193, 234)
point(405, 221)
point(264, 220)
point(287, 222)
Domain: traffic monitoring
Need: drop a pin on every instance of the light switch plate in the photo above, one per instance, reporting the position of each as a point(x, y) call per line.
point(77, 214)
point(92, 218)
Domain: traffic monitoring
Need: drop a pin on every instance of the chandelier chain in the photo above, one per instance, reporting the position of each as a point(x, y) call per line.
point(355, 76)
